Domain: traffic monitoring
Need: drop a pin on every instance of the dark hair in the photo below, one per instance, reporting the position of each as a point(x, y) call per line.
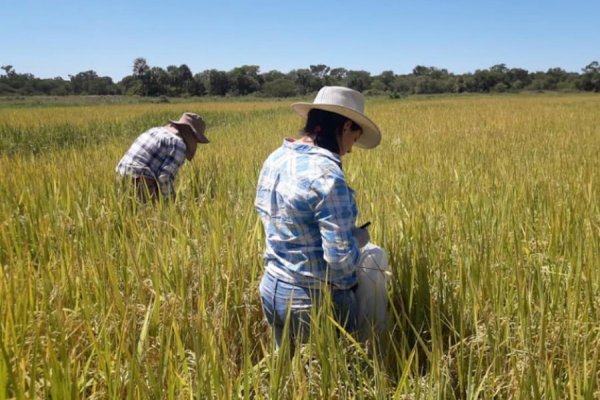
point(325, 127)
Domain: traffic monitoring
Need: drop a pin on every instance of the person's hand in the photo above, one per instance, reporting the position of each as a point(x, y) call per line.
point(362, 235)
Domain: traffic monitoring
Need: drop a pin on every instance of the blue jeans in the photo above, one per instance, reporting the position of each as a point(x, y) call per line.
point(278, 297)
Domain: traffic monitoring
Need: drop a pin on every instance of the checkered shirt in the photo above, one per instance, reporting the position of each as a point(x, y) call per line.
point(308, 212)
point(156, 153)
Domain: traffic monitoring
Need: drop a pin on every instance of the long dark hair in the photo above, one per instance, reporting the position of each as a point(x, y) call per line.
point(325, 127)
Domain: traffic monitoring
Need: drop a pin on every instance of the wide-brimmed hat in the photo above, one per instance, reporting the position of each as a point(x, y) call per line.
point(348, 103)
point(195, 123)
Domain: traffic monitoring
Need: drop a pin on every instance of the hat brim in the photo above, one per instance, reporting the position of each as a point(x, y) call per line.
point(199, 135)
point(371, 136)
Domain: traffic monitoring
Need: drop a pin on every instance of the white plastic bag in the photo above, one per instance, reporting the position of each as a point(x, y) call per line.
point(371, 294)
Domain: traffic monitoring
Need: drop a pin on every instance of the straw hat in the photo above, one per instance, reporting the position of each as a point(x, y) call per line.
point(195, 123)
point(348, 103)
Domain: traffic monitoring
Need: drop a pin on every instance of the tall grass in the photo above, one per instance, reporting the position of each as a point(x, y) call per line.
point(488, 207)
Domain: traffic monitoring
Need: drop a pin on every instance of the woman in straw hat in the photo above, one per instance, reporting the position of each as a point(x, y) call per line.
point(309, 215)
point(152, 161)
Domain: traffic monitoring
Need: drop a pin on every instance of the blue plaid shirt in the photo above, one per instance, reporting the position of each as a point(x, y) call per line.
point(157, 154)
point(308, 212)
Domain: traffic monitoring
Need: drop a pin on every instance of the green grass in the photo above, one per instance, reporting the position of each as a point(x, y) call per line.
point(488, 207)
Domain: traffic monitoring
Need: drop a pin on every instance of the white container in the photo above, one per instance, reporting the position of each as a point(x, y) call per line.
point(372, 292)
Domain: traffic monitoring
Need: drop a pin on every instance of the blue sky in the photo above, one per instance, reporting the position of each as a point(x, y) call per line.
point(51, 38)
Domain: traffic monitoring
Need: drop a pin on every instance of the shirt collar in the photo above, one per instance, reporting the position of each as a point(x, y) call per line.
point(305, 148)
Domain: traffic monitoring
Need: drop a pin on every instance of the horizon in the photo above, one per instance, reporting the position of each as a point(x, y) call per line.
point(58, 40)
point(261, 70)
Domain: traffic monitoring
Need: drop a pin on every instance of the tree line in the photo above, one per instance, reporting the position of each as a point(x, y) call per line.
point(179, 81)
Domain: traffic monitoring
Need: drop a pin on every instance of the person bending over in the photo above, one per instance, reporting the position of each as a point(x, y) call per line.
point(150, 165)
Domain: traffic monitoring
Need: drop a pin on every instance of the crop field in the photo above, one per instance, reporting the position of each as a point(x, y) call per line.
point(488, 206)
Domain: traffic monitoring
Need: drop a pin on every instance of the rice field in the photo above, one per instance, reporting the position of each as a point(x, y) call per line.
point(488, 206)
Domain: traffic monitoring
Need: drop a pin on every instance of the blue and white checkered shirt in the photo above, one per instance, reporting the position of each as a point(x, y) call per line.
point(156, 153)
point(308, 212)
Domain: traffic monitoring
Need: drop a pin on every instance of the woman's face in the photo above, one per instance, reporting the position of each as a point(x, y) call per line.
point(348, 138)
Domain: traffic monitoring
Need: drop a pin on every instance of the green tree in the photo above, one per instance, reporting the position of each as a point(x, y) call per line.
point(181, 80)
point(427, 80)
point(387, 78)
point(403, 84)
point(218, 82)
point(186, 76)
point(590, 80)
point(272, 75)
point(9, 70)
point(552, 79)
point(518, 78)
point(140, 66)
point(555, 76)
point(245, 79)
point(130, 86)
point(358, 80)
point(201, 84)
point(281, 87)
point(303, 79)
point(158, 82)
point(483, 80)
point(377, 86)
point(337, 76)
point(432, 72)
point(319, 70)
point(320, 73)
point(88, 82)
point(141, 71)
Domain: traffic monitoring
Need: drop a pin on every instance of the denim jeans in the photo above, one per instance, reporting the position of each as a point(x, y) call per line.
point(279, 297)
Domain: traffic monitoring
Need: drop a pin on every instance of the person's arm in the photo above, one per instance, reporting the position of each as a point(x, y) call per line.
point(336, 214)
point(173, 155)
point(148, 188)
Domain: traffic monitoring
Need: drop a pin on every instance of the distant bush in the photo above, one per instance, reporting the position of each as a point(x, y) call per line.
point(279, 88)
